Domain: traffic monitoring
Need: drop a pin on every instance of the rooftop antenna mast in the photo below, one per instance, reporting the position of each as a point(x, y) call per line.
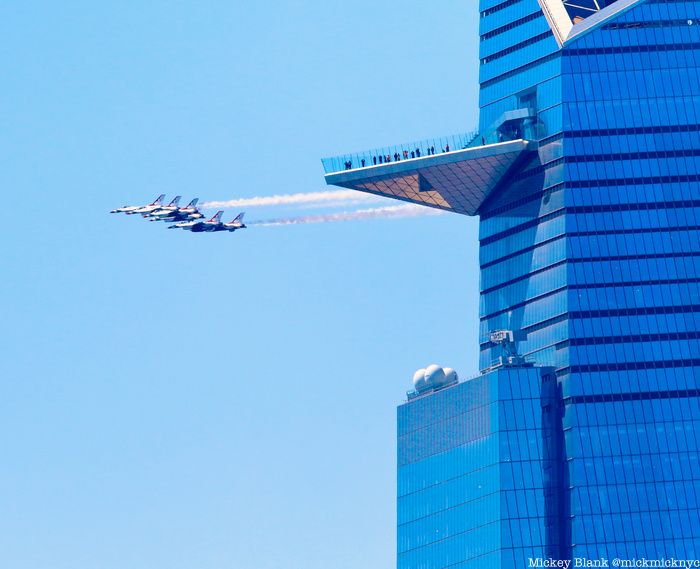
point(507, 340)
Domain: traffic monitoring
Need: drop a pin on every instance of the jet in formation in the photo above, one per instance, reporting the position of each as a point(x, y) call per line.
point(132, 209)
point(212, 225)
point(188, 218)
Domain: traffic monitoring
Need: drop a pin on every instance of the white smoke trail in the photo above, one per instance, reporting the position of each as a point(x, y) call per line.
point(332, 198)
point(395, 212)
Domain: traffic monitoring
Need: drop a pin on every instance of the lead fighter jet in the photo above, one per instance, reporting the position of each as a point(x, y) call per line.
point(212, 225)
point(129, 209)
point(236, 223)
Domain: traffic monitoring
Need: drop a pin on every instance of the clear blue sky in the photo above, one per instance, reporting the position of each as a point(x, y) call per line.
point(217, 401)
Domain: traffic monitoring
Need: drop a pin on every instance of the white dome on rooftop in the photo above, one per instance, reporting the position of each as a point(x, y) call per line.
point(434, 375)
point(450, 375)
point(419, 380)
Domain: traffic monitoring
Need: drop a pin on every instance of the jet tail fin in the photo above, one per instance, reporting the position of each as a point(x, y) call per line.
point(217, 217)
point(238, 218)
point(193, 202)
point(158, 200)
point(175, 200)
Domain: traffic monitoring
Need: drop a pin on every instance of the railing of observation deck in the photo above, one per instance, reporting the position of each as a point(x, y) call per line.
point(399, 152)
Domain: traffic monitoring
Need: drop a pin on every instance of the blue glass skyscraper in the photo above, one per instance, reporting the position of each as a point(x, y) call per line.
point(585, 173)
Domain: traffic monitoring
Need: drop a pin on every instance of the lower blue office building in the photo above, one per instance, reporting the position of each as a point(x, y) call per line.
point(480, 473)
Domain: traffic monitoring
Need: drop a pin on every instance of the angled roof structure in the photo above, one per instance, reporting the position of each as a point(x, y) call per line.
point(581, 9)
point(458, 181)
point(570, 18)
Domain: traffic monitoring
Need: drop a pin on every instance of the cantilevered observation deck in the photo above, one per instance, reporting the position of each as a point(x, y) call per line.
point(456, 180)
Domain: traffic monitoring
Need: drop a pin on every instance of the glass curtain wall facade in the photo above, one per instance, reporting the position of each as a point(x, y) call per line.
point(522, 237)
point(631, 118)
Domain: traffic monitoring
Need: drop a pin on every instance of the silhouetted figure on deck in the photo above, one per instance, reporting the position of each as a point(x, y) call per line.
point(374, 159)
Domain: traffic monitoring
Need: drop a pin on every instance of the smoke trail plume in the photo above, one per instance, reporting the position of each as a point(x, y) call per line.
point(332, 198)
point(395, 212)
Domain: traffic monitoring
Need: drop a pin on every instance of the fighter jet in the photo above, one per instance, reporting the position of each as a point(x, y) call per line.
point(171, 207)
point(212, 225)
point(191, 210)
point(199, 226)
point(236, 223)
point(187, 213)
point(147, 210)
point(129, 209)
